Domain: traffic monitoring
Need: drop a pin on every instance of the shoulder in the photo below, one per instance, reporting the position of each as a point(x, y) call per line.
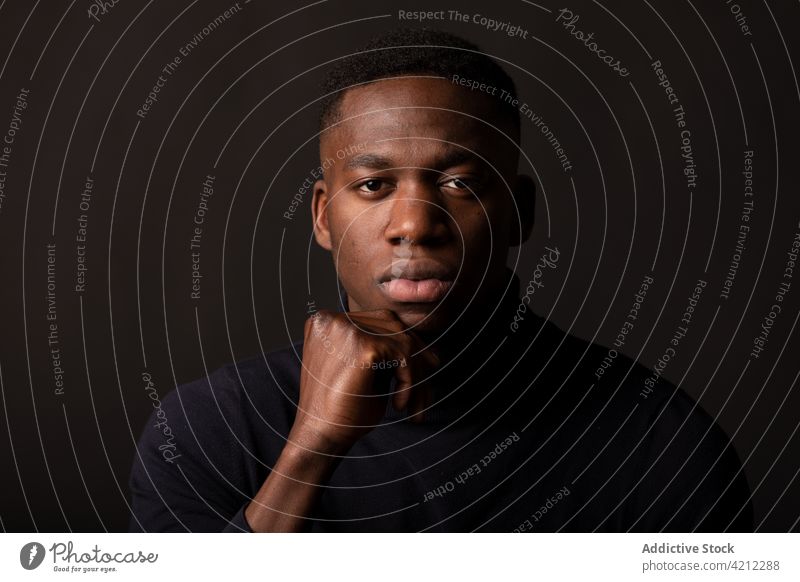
point(666, 410)
point(655, 452)
point(683, 471)
point(229, 391)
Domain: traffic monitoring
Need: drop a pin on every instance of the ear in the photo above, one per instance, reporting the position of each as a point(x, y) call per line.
point(319, 213)
point(525, 197)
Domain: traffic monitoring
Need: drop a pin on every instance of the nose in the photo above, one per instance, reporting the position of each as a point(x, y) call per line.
point(416, 215)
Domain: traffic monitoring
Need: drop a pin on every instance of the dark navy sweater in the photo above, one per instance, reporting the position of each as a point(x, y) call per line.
point(523, 438)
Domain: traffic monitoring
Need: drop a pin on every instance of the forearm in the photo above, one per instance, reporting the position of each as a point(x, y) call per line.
point(293, 487)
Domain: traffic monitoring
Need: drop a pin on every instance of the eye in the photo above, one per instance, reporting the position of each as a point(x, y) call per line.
point(371, 186)
point(460, 184)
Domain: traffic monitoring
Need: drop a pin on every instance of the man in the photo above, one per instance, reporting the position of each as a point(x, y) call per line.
point(435, 400)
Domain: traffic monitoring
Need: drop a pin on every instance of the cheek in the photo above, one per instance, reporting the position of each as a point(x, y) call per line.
point(485, 232)
point(477, 230)
point(352, 237)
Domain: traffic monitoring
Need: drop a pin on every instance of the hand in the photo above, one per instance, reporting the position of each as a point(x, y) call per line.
point(348, 361)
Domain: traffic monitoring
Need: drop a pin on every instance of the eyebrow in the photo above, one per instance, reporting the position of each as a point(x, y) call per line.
point(373, 161)
point(452, 157)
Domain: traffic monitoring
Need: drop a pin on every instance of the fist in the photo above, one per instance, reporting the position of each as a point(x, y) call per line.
point(349, 360)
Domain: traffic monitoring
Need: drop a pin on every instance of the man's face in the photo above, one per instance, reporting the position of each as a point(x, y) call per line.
point(419, 207)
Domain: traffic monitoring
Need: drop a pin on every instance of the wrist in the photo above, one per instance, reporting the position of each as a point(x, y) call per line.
point(307, 440)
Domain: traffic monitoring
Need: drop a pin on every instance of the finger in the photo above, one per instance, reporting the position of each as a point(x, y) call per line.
point(412, 373)
point(377, 326)
point(416, 404)
point(403, 386)
point(413, 397)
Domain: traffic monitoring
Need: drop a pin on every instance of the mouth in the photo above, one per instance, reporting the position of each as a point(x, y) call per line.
point(416, 291)
point(416, 282)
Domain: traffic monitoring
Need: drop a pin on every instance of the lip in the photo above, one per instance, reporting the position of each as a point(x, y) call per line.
point(420, 281)
point(416, 291)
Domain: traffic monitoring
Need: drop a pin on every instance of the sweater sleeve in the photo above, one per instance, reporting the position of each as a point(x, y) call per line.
point(187, 469)
point(238, 523)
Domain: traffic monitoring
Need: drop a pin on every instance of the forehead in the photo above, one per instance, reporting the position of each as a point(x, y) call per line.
point(412, 113)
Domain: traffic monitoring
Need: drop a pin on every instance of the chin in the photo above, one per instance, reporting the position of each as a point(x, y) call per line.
point(424, 321)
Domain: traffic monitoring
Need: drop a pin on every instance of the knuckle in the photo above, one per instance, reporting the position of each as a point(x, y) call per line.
point(319, 319)
point(369, 349)
point(406, 342)
point(395, 325)
point(386, 314)
point(323, 314)
point(309, 323)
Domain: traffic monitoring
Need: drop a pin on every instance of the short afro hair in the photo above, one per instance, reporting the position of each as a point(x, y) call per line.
point(414, 51)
